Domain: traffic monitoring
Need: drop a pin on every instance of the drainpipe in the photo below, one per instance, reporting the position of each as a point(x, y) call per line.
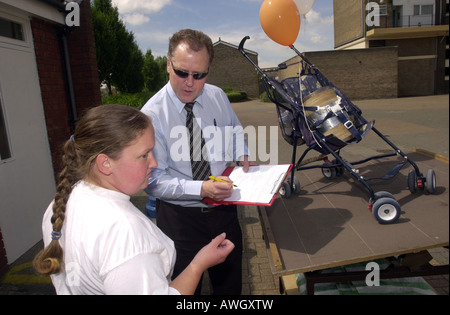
point(60, 5)
point(72, 103)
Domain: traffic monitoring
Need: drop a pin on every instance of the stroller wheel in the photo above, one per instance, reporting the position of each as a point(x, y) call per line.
point(381, 194)
point(412, 181)
point(339, 167)
point(328, 170)
point(296, 187)
point(430, 181)
point(386, 210)
point(285, 190)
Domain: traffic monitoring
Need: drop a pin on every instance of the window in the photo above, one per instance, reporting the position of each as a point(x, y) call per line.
point(11, 29)
point(427, 10)
point(5, 152)
point(383, 10)
point(423, 9)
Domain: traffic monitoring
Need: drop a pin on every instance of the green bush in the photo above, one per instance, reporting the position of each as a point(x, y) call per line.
point(264, 98)
point(136, 100)
point(233, 95)
point(227, 89)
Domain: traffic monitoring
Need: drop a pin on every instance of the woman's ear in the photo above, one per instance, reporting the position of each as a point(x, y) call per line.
point(103, 164)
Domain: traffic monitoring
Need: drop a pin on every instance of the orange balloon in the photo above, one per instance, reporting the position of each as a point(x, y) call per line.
point(280, 20)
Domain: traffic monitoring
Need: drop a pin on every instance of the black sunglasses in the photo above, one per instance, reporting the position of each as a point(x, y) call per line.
point(183, 74)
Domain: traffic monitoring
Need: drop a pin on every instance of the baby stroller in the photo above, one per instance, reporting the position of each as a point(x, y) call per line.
point(312, 111)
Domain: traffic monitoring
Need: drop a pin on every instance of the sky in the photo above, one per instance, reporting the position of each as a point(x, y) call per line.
point(154, 21)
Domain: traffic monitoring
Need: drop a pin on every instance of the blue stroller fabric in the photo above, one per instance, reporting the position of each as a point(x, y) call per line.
point(295, 90)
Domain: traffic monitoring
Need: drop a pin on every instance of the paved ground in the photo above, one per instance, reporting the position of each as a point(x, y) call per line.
point(421, 122)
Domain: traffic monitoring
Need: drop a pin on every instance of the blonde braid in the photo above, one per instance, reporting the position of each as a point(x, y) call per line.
point(50, 259)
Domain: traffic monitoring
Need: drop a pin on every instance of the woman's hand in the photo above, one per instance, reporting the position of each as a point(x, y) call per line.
point(210, 255)
point(213, 254)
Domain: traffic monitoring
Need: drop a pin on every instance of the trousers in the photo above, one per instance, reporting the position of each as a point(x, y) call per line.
point(193, 228)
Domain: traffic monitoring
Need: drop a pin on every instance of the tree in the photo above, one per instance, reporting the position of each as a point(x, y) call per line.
point(118, 57)
point(154, 72)
point(162, 63)
point(150, 71)
point(127, 76)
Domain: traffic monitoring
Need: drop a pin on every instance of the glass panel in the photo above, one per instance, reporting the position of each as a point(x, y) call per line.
point(11, 29)
point(427, 10)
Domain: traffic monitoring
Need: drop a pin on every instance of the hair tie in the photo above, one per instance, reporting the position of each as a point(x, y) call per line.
point(56, 235)
point(72, 138)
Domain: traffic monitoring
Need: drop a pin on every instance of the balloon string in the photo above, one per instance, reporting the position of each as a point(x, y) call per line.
point(303, 105)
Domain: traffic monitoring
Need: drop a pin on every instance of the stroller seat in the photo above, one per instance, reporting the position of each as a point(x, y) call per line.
point(312, 111)
point(321, 110)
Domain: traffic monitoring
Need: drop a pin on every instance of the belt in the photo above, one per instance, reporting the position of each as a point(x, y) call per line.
point(201, 209)
point(206, 210)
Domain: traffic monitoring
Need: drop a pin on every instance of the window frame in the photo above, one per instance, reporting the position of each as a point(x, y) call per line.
point(13, 25)
point(9, 42)
point(428, 6)
point(383, 10)
point(419, 8)
point(6, 153)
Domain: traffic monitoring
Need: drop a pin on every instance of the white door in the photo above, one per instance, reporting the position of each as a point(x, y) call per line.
point(26, 176)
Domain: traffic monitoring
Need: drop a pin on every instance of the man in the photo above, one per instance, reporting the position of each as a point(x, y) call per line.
point(176, 182)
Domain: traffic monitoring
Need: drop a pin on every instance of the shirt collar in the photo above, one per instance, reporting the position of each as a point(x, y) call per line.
point(176, 101)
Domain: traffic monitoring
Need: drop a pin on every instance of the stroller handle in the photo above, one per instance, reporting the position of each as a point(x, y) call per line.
point(242, 50)
point(241, 45)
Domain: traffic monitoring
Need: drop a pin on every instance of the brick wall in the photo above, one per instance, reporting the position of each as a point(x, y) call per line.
point(52, 76)
point(53, 84)
point(83, 60)
point(420, 73)
point(348, 21)
point(359, 73)
point(231, 69)
point(3, 258)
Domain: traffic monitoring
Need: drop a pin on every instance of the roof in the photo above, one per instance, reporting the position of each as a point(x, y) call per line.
point(221, 42)
point(408, 32)
point(60, 4)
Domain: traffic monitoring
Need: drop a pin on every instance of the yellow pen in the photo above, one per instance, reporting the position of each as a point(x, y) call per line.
point(220, 180)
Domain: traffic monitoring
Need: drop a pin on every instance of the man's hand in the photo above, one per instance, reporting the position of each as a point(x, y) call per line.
point(217, 191)
point(246, 163)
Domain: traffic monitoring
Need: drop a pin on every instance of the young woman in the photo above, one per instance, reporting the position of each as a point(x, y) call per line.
point(96, 241)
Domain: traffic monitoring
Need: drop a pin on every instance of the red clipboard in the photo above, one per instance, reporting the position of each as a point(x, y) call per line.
point(228, 172)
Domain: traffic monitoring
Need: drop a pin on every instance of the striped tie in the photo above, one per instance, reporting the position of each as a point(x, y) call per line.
point(200, 166)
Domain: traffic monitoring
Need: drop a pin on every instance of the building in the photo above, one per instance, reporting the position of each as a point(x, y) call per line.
point(385, 49)
point(231, 69)
point(359, 73)
point(418, 28)
point(48, 77)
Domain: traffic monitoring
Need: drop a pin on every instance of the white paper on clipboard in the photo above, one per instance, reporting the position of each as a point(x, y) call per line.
point(259, 184)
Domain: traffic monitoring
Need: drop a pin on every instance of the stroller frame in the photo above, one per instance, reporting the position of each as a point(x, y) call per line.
point(383, 205)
